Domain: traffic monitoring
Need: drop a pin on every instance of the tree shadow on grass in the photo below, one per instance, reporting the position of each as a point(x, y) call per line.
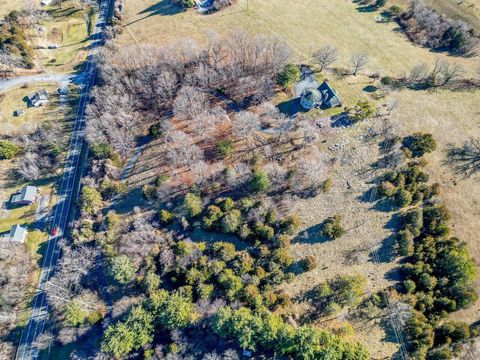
point(386, 252)
point(162, 8)
point(311, 235)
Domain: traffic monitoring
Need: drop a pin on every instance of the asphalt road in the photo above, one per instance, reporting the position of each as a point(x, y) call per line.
point(36, 324)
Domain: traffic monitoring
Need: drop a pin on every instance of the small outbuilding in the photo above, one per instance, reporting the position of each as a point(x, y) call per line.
point(19, 112)
point(323, 96)
point(38, 98)
point(27, 195)
point(46, 2)
point(18, 234)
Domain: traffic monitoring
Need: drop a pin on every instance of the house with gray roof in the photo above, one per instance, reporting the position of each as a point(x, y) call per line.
point(38, 98)
point(322, 97)
point(27, 195)
point(17, 234)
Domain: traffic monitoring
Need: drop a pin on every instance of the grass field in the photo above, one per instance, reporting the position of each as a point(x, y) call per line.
point(69, 28)
point(6, 6)
point(306, 25)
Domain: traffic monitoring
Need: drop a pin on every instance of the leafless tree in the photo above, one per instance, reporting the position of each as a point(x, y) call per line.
point(8, 63)
point(449, 72)
point(190, 102)
point(310, 171)
point(245, 125)
point(180, 149)
point(277, 175)
point(44, 340)
point(29, 167)
point(417, 75)
point(325, 56)
point(465, 159)
point(358, 61)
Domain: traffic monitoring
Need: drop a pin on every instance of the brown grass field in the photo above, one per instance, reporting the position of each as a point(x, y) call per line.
point(452, 118)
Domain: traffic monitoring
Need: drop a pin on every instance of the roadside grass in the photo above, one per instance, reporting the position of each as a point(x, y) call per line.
point(70, 28)
point(15, 99)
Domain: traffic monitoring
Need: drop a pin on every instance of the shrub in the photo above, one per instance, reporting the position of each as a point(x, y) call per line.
point(101, 151)
point(309, 263)
point(403, 198)
point(260, 181)
point(362, 110)
point(227, 204)
point(8, 150)
point(386, 80)
point(405, 243)
point(231, 221)
point(166, 217)
point(224, 250)
point(264, 232)
point(111, 188)
point(386, 188)
point(420, 144)
point(413, 221)
point(90, 200)
point(290, 74)
point(327, 185)
point(149, 192)
point(332, 227)
point(192, 204)
point(122, 269)
point(409, 286)
point(156, 130)
point(225, 147)
point(213, 214)
point(291, 224)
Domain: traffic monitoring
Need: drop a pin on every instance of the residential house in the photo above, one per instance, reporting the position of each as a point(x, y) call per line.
point(38, 98)
point(322, 97)
point(27, 195)
point(17, 234)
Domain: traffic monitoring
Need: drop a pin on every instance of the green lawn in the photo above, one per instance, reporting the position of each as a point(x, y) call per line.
point(69, 27)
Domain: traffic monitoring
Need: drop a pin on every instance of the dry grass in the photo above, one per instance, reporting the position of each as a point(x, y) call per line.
point(306, 25)
point(6, 6)
point(15, 98)
point(69, 27)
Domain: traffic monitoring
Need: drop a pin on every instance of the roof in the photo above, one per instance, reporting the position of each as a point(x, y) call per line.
point(28, 193)
point(329, 95)
point(17, 234)
point(312, 95)
point(38, 95)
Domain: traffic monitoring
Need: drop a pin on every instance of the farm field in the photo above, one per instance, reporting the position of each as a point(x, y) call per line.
point(68, 28)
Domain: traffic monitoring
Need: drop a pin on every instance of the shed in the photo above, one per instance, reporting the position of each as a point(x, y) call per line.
point(46, 2)
point(17, 234)
point(38, 98)
point(19, 112)
point(26, 196)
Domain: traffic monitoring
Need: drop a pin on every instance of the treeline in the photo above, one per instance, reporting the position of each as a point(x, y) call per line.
point(425, 27)
point(216, 5)
point(13, 40)
point(439, 274)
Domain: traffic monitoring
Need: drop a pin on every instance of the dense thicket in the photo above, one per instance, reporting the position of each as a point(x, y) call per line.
point(425, 27)
point(13, 39)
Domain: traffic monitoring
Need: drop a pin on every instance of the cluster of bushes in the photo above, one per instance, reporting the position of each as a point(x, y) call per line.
point(290, 75)
point(332, 227)
point(115, 21)
point(425, 27)
point(361, 111)
point(438, 273)
point(13, 38)
point(255, 330)
point(342, 291)
point(262, 329)
point(407, 185)
point(8, 150)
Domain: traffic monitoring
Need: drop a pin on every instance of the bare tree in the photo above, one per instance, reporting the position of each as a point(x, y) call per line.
point(245, 125)
point(8, 63)
point(190, 102)
point(44, 340)
point(465, 159)
point(417, 75)
point(450, 72)
point(180, 149)
point(325, 56)
point(358, 61)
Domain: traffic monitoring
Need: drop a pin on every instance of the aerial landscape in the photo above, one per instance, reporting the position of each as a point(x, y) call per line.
point(239, 179)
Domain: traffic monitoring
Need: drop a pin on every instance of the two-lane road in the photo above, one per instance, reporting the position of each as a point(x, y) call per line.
point(36, 324)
